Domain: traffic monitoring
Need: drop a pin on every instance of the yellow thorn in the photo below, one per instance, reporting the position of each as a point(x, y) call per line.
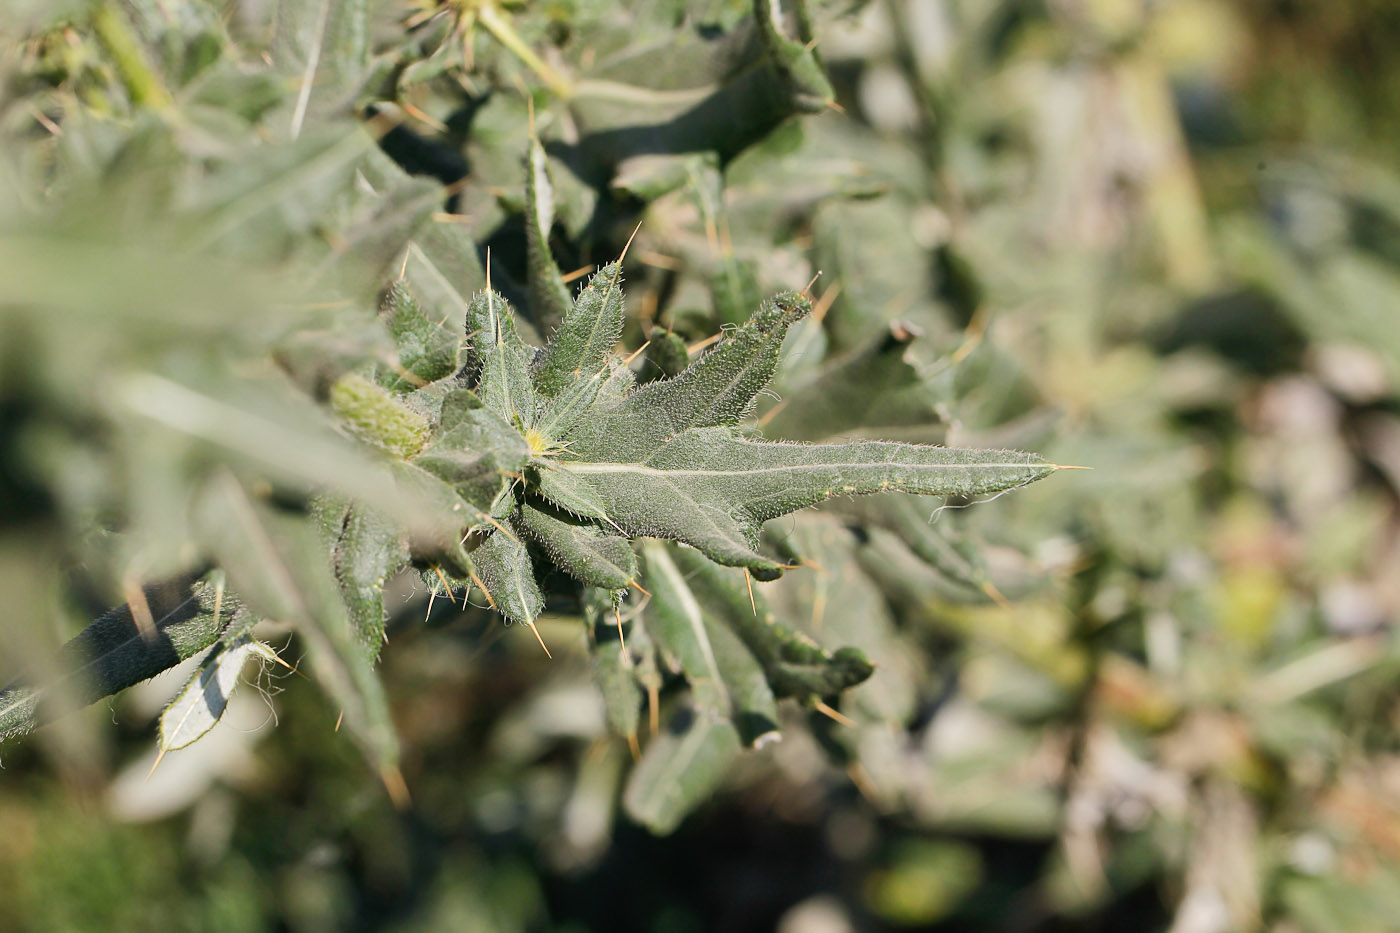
point(825, 302)
point(636, 353)
point(633, 746)
point(659, 260)
point(484, 591)
point(638, 587)
point(834, 714)
point(833, 105)
point(748, 580)
point(540, 639)
point(808, 287)
point(995, 595)
point(629, 241)
point(768, 415)
point(425, 118)
point(695, 348)
point(338, 720)
point(396, 786)
point(160, 756)
point(403, 266)
point(1061, 466)
point(653, 709)
point(443, 577)
point(140, 609)
point(497, 525)
point(861, 779)
point(578, 273)
point(627, 658)
point(488, 268)
point(432, 595)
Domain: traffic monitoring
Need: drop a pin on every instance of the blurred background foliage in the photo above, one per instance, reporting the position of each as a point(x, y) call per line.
point(1161, 239)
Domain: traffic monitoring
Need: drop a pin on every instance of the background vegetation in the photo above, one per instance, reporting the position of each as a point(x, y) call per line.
point(1159, 239)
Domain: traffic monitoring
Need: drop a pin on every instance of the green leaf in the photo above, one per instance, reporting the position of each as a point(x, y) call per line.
point(369, 549)
point(718, 389)
point(584, 551)
point(549, 296)
point(712, 490)
point(325, 44)
point(506, 387)
point(724, 675)
point(427, 350)
point(509, 575)
point(478, 456)
point(200, 705)
point(679, 769)
point(277, 565)
point(114, 652)
point(613, 669)
point(571, 493)
point(584, 341)
point(677, 625)
point(491, 323)
point(793, 663)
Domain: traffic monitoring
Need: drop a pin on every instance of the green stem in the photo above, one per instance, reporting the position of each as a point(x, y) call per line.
point(141, 82)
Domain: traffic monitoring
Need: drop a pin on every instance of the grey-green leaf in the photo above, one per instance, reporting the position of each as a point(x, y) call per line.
point(679, 769)
point(718, 389)
point(584, 551)
point(509, 575)
point(427, 350)
point(277, 564)
point(200, 705)
point(584, 341)
point(713, 490)
point(549, 296)
point(622, 695)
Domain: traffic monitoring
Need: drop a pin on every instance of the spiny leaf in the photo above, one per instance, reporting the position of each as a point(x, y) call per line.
point(723, 674)
point(506, 387)
point(571, 493)
point(622, 695)
point(491, 323)
point(584, 341)
point(509, 575)
point(368, 550)
point(793, 664)
point(583, 551)
point(718, 389)
point(549, 297)
point(753, 706)
point(680, 768)
point(277, 565)
point(677, 625)
point(200, 705)
point(477, 457)
point(114, 653)
point(712, 490)
point(427, 351)
point(566, 409)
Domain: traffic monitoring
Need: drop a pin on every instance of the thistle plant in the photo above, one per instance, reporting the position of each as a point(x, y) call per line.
point(437, 440)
